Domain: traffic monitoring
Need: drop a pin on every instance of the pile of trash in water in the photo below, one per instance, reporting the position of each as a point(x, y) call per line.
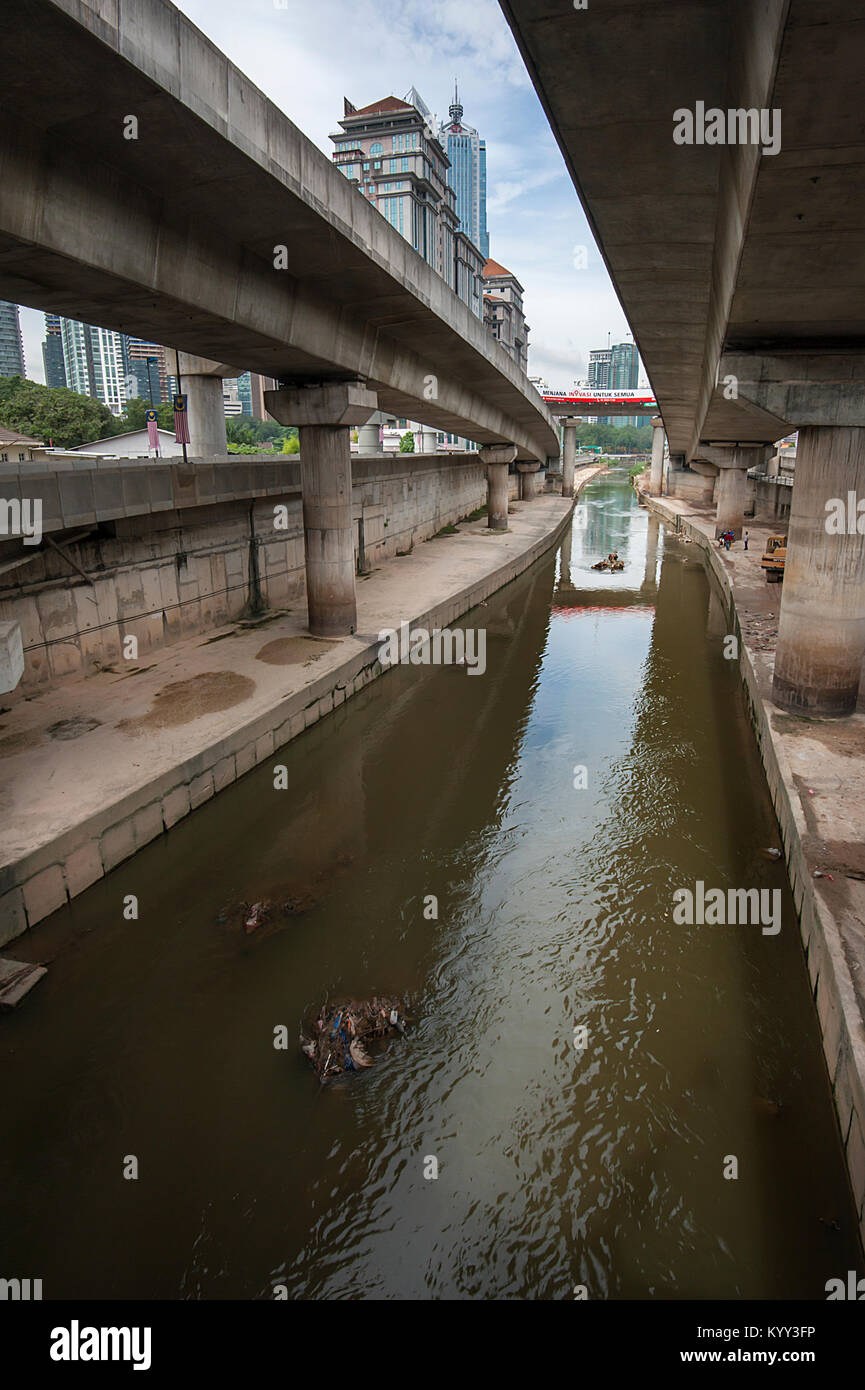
point(612, 562)
point(336, 1042)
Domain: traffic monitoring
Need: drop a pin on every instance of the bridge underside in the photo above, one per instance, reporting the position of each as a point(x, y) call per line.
point(180, 235)
point(714, 249)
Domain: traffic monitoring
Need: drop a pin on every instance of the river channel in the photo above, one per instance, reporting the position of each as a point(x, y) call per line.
point(551, 806)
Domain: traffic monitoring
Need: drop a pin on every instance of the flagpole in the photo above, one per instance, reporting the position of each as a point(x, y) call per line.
point(177, 364)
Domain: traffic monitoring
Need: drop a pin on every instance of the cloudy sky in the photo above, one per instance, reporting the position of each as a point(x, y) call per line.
point(306, 55)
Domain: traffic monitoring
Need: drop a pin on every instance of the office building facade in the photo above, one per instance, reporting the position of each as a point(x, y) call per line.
point(52, 352)
point(615, 368)
point(390, 152)
point(94, 360)
point(467, 174)
point(503, 312)
point(11, 345)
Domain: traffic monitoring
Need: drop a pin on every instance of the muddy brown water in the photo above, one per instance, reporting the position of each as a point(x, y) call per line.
point(154, 1037)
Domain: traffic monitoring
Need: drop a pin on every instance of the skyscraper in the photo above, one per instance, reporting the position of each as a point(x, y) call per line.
point(390, 151)
point(95, 363)
point(615, 368)
point(467, 175)
point(52, 352)
point(11, 346)
point(150, 376)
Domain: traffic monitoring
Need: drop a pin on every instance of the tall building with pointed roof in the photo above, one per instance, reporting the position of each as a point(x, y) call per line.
point(390, 152)
point(467, 175)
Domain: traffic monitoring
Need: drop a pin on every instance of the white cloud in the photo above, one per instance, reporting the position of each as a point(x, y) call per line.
point(307, 57)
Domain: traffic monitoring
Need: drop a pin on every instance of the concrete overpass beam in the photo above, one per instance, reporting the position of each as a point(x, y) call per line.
point(324, 416)
point(821, 637)
point(656, 476)
point(569, 452)
point(498, 458)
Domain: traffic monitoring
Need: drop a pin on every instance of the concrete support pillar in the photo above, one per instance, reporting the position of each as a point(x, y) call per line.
point(206, 415)
point(425, 440)
point(324, 416)
point(201, 383)
point(498, 458)
point(656, 476)
point(732, 495)
point(821, 636)
point(369, 439)
point(569, 453)
point(529, 476)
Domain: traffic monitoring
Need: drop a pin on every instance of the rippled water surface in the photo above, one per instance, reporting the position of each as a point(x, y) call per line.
point(155, 1038)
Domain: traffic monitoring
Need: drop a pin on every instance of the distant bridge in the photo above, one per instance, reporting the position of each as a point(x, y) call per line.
point(597, 402)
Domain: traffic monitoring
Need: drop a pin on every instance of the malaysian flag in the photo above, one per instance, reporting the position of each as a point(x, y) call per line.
point(181, 420)
point(152, 429)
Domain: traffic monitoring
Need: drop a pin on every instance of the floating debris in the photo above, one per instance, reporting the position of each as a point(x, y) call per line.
point(612, 562)
point(255, 915)
point(17, 978)
point(771, 853)
point(337, 1040)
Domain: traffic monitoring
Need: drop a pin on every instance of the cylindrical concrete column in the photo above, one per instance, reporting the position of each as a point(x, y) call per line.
point(324, 416)
point(206, 415)
point(821, 636)
point(369, 439)
point(325, 471)
point(529, 473)
point(656, 475)
point(569, 453)
point(732, 495)
point(425, 440)
point(497, 496)
point(497, 458)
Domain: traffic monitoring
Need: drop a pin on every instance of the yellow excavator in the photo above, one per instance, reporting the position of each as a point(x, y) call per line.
point(774, 557)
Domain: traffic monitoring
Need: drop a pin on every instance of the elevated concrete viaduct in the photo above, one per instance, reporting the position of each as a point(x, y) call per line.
point(721, 176)
point(149, 187)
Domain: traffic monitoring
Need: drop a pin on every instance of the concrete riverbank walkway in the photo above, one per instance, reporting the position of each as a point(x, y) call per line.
point(95, 769)
point(816, 773)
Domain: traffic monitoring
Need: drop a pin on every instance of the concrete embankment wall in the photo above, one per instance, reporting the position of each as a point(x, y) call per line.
point(841, 1025)
point(170, 551)
point(36, 883)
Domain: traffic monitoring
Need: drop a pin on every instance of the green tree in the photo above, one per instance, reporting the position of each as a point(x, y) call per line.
point(133, 417)
point(292, 445)
point(243, 429)
point(406, 443)
point(54, 414)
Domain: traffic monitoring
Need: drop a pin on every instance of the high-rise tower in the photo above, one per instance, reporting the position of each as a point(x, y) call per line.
point(11, 346)
point(52, 351)
point(467, 175)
